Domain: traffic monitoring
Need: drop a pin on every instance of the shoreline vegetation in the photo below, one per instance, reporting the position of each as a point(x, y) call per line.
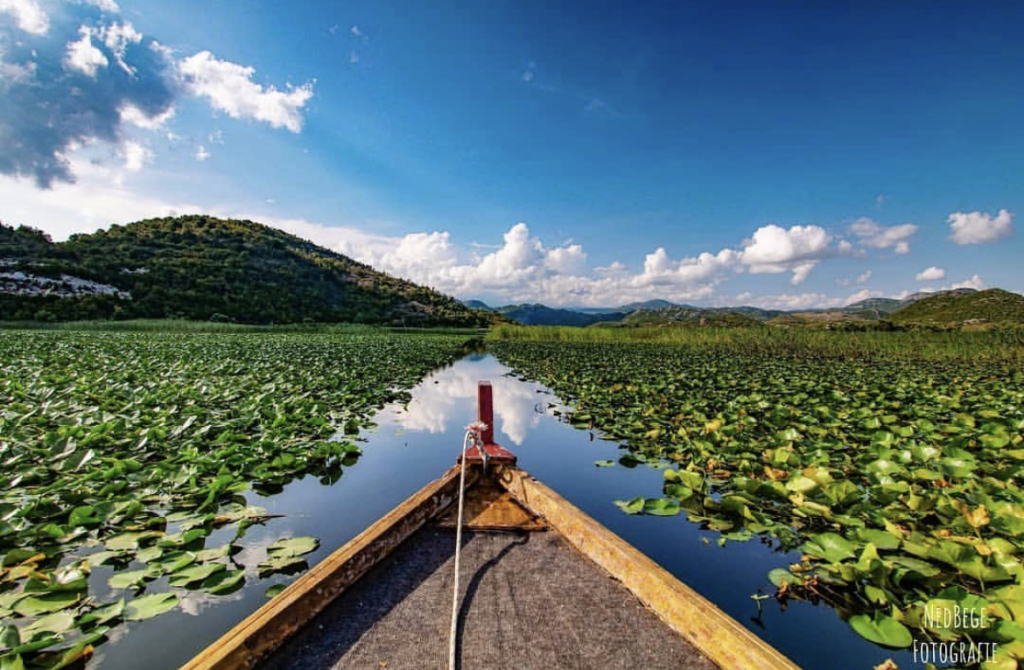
point(999, 344)
point(190, 326)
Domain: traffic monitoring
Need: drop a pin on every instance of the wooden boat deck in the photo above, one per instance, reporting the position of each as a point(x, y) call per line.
point(529, 600)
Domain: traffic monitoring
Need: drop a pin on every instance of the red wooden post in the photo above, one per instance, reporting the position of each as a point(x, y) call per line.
point(485, 411)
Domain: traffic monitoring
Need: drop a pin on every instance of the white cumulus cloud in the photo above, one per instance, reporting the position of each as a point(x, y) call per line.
point(83, 56)
point(931, 274)
point(28, 14)
point(229, 88)
point(798, 249)
point(872, 234)
point(978, 227)
point(570, 260)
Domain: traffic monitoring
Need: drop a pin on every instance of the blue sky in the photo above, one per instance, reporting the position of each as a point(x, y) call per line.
point(777, 154)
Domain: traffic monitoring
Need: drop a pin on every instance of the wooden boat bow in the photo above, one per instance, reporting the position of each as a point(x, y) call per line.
point(504, 497)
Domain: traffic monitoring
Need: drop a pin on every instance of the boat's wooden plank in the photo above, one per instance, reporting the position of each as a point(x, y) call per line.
point(723, 639)
point(489, 507)
point(265, 629)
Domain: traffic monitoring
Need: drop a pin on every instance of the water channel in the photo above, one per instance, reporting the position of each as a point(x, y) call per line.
point(414, 444)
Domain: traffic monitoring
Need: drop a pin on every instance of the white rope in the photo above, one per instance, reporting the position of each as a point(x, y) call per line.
point(470, 436)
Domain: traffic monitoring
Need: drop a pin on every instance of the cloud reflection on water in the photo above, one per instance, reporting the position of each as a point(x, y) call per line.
point(448, 397)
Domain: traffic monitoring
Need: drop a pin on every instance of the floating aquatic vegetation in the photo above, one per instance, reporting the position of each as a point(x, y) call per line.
point(129, 450)
point(897, 477)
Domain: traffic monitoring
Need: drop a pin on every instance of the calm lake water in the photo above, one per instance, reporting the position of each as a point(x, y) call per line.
point(413, 445)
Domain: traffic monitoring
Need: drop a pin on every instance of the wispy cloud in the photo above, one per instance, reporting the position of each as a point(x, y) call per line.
point(529, 72)
point(229, 88)
point(872, 234)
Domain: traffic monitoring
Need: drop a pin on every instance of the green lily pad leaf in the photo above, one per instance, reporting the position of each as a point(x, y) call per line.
point(175, 561)
point(274, 590)
point(129, 541)
point(75, 654)
point(12, 662)
point(149, 554)
point(283, 564)
point(83, 516)
point(876, 595)
point(604, 464)
point(182, 539)
point(10, 637)
point(634, 506)
point(104, 614)
point(830, 546)
point(196, 573)
point(801, 484)
point(883, 540)
point(147, 607)
point(293, 546)
point(207, 555)
point(661, 507)
point(780, 576)
point(678, 491)
point(1006, 657)
point(882, 629)
point(224, 582)
point(46, 604)
point(130, 579)
point(55, 623)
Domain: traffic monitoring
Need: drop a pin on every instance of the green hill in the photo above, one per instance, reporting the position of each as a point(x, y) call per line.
point(687, 316)
point(994, 306)
point(541, 315)
point(199, 267)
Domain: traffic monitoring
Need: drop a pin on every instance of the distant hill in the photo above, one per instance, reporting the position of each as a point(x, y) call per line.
point(477, 304)
point(872, 313)
point(993, 306)
point(687, 316)
point(203, 268)
point(631, 307)
point(541, 315)
point(876, 306)
point(921, 295)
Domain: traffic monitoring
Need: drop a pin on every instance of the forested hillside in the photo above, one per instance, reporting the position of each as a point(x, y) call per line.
point(199, 267)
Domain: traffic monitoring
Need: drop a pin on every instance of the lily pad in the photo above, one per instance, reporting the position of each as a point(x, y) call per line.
point(147, 607)
point(882, 629)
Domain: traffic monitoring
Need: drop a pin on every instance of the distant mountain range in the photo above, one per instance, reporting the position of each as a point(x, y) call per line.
point(203, 268)
point(957, 306)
